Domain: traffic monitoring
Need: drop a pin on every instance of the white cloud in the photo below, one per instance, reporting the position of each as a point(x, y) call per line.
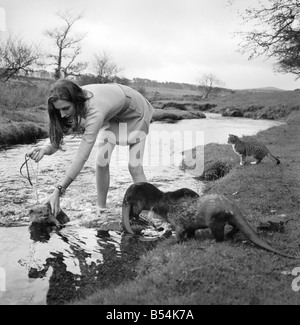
point(2, 20)
point(170, 40)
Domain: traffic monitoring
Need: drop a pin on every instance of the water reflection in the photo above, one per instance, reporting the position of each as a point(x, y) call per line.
point(48, 266)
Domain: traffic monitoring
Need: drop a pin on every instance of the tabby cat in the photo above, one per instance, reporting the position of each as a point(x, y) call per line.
point(250, 148)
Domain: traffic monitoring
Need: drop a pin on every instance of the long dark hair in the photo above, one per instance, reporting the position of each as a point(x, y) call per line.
point(71, 92)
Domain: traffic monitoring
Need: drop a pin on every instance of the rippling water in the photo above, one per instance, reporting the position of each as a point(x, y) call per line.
point(35, 263)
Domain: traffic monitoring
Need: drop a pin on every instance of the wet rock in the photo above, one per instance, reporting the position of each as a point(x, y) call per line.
point(171, 114)
point(233, 112)
point(183, 105)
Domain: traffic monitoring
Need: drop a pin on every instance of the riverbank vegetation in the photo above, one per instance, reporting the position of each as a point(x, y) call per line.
point(272, 105)
point(23, 112)
point(25, 132)
point(23, 100)
point(257, 103)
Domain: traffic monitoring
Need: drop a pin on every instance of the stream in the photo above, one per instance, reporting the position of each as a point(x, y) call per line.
point(43, 265)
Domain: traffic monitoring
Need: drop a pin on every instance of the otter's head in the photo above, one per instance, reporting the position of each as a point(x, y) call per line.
point(159, 204)
point(181, 195)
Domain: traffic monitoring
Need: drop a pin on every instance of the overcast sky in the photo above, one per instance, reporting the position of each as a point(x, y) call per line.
point(163, 40)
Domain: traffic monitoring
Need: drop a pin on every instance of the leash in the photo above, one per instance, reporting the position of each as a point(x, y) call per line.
point(27, 158)
point(27, 169)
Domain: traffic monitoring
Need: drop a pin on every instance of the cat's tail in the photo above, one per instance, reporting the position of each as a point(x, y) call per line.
point(275, 159)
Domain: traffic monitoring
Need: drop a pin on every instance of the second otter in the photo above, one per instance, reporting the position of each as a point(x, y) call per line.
point(145, 196)
point(187, 214)
point(211, 211)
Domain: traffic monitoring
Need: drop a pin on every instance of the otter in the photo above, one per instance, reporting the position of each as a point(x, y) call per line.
point(145, 196)
point(211, 211)
point(41, 213)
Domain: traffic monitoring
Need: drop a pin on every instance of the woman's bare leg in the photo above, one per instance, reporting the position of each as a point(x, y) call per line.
point(135, 166)
point(102, 172)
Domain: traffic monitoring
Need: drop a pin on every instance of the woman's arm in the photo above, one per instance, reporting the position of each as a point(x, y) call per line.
point(94, 122)
point(37, 153)
point(49, 149)
point(92, 127)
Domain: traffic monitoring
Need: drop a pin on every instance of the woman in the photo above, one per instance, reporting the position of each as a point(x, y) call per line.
point(113, 113)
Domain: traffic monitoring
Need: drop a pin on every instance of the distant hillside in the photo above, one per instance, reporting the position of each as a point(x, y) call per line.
point(189, 89)
point(262, 89)
point(146, 83)
point(143, 82)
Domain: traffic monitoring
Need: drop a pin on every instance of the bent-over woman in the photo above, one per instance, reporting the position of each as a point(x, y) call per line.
point(113, 113)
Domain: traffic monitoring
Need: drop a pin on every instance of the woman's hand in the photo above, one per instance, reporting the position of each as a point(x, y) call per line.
point(36, 153)
point(54, 202)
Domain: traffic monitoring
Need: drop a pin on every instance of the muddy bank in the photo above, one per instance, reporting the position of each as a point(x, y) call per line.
point(218, 161)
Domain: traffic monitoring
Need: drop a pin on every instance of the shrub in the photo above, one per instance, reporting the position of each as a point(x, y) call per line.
point(21, 133)
point(215, 170)
point(14, 95)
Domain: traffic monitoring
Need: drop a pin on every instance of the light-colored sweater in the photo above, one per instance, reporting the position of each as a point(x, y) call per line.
point(105, 108)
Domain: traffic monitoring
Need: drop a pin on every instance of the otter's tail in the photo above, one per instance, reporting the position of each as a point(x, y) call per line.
point(275, 159)
point(240, 222)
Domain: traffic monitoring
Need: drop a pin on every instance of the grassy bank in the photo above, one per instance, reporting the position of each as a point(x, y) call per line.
point(272, 105)
point(202, 271)
point(23, 115)
point(12, 133)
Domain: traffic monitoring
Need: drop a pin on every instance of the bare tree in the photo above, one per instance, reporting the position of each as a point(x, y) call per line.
point(71, 68)
point(68, 46)
point(17, 56)
point(106, 70)
point(207, 84)
point(275, 33)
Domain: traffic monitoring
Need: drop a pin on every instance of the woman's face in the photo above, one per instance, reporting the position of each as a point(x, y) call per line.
point(66, 109)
